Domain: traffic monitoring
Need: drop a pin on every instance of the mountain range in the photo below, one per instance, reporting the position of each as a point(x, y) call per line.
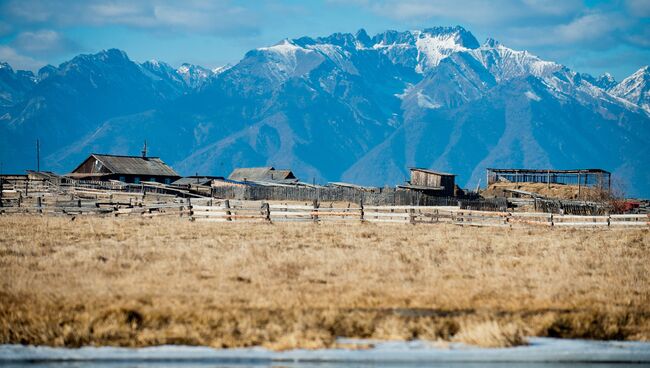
point(346, 107)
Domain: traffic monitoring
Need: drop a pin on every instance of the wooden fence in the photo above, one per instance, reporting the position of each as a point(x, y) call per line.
point(376, 196)
point(256, 211)
point(571, 207)
point(211, 210)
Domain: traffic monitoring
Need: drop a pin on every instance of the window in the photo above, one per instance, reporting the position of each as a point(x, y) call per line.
point(123, 179)
point(168, 181)
point(152, 179)
point(136, 180)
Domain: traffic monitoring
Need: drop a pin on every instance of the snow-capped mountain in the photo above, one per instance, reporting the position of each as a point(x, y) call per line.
point(635, 88)
point(605, 81)
point(14, 84)
point(194, 76)
point(344, 107)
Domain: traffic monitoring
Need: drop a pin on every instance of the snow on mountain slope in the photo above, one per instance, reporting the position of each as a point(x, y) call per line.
point(604, 82)
point(424, 49)
point(194, 76)
point(635, 88)
point(505, 63)
point(282, 61)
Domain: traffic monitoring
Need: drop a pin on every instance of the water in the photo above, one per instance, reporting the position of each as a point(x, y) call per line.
point(542, 352)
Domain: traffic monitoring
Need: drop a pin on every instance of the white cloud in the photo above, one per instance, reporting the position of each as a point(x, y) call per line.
point(477, 11)
point(43, 42)
point(593, 30)
point(159, 15)
point(524, 23)
point(638, 8)
point(18, 61)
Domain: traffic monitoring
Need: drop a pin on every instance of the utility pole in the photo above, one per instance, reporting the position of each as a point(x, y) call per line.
point(38, 155)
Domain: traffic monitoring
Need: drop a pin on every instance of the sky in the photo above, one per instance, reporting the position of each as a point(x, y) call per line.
point(587, 36)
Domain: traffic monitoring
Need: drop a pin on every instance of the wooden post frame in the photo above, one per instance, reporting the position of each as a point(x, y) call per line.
point(226, 204)
point(266, 211)
point(314, 216)
point(362, 216)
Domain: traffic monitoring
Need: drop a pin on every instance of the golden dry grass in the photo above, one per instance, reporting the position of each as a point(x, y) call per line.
point(137, 282)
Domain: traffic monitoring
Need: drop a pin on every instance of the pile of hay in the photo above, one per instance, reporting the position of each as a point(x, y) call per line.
point(559, 191)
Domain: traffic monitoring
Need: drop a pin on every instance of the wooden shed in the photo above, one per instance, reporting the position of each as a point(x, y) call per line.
point(431, 182)
point(128, 169)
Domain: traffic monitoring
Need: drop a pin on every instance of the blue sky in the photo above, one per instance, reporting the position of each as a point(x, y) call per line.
point(587, 36)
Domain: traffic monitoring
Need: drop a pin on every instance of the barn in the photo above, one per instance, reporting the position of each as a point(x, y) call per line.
point(431, 182)
point(128, 169)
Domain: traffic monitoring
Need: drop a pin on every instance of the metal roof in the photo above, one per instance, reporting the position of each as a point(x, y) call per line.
point(349, 185)
point(134, 165)
point(202, 180)
point(260, 174)
point(545, 171)
point(431, 171)
point(420, 187)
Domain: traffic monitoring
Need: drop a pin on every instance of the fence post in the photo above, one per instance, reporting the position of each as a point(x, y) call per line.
point(551, 219)
point(26, 187)
point(226, 204)
point(266, 210)
point(39, 204)
point(189, 209)
point(316, 206)
point(362, 214)
point(412, 216)
point(609, 217)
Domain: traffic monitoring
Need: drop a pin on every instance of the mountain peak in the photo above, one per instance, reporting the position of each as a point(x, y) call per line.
point(109, 56)
point(194, 76)
point(491, 43)
point(112, 54)
point(363, 38)
point(635, 88)
point(643, 70)
point(606, 81)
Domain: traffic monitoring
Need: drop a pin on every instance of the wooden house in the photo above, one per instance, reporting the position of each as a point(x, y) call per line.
point(128, 169)
point(431, 182)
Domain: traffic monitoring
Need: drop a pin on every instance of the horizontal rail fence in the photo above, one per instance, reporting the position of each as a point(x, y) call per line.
point(381, 196)
point(212, 210)
point(491, 204)
point(571, 207)
point(258, 211)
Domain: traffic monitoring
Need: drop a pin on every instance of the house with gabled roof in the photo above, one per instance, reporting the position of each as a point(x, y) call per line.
point(128, 169)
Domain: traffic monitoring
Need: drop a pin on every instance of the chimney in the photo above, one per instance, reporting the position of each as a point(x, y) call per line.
point(144, 150)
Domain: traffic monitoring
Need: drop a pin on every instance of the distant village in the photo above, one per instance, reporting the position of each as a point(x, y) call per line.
point(147, 169)
point(584, 192)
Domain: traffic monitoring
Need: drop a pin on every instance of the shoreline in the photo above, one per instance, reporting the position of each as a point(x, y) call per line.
point(541, 350)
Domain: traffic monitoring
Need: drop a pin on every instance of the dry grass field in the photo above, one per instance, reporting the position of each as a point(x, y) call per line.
point(137, 282)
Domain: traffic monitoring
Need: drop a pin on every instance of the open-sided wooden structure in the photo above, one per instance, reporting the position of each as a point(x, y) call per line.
point(595, 178)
